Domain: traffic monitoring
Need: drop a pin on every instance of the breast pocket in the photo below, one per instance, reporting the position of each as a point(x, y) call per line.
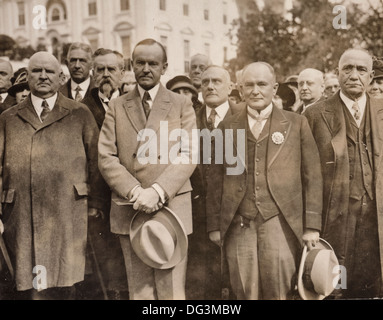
point(7, 202)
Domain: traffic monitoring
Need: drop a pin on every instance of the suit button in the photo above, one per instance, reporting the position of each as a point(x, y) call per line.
point(258, 203)
point(159, 157)
point(240, 189)
point(134, 155)
point(257, 160)
point(351, 176)
point(257, 173)
point(257, 188)
point(258, 145)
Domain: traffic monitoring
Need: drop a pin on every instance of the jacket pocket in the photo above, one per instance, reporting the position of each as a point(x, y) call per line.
point(81, 190)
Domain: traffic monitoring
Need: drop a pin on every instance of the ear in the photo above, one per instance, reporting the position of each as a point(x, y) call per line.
point(275, 88)
point(164, 68)
point(337, 71)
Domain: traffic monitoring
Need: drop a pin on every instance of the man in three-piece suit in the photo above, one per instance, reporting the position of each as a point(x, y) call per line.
point(348, 129)
point(6, 73)
point(79, 62)
point(203, 280)
point(49, 183)
point(261, 215)
point(147, 186)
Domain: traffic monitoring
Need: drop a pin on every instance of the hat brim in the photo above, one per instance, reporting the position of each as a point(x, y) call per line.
point(181, 245)
point(184, 85)
point(303, 292)
point(18, 88)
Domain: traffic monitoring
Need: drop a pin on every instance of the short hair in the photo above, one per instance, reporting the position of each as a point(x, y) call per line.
point(82, 46)
point(201, 55)
point(269, 66)
point(104, 52)
point(150, 42)
point(227, 74)
point(8, 63)
point(355, 49)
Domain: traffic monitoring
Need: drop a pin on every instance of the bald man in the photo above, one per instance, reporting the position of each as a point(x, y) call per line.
point(348, 129)
point(6, 73)
point(49, 184)
point(310, 88)
point(263, 215)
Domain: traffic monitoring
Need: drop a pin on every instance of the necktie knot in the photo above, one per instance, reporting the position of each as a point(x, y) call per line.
point(258, 126)
point(211, 119)
point(78, 96)
point(356, 109)
point(145, 103)
point(46, 110)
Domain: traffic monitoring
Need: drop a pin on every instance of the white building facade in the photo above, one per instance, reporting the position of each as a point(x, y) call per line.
point(184, 27)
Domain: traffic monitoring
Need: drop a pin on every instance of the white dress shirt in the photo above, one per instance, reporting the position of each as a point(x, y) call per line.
point(252, 121)
point(105, 100)
point(362, 102)
point(4, 96)
point(83, 85)
point(152, 92)
point(37, 101)
point(221, 112)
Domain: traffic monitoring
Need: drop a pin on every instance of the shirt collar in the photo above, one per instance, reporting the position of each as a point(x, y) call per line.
point(362, 101)
point(221, 110)
point(152, 92)
point(104, 99)
point(83, 85)
point(4, 95)
point(37, 101)
point(263, 112)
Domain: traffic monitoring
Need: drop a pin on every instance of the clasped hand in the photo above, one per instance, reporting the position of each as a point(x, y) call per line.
point(146, 200)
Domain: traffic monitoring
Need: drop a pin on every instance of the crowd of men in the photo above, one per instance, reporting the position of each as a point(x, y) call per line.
point(98, 201)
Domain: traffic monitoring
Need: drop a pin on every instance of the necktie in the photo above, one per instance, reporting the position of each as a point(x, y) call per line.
point(211, 119)
point(78, 96)
point(145, 103)
point(356, 109)
point(45, 111)
point(257, 127)
point(1, 99)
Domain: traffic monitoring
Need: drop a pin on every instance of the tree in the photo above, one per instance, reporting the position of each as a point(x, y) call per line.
point(307, 37)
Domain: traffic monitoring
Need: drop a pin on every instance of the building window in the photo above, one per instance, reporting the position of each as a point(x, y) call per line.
point(224, 19)
point(225, 54)
point(92, 7)
point(124, 5)
point(163, 5)
point(186, 9)
point(21, 10)
point(186, 56)
point(164, 42)
point(206, 14)
point(56, 14)
point(125, 41)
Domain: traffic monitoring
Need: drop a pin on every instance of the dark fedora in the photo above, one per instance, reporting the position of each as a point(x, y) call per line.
point(377, 66)
point(20, 84)
point(181, 82)
point(316, 275)
point(158, 239)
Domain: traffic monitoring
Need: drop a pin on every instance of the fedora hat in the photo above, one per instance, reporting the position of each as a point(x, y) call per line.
point(315, 275)
point(159, 239)
point(20, 84)
point(378, 68)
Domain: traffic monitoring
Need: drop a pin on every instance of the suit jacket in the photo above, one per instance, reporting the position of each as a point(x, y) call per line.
point(48, 179)
point(93, 102)
point(67, 92)
point(8, 102)
point(300, 108)
point(121, 154)
point(293, 174)
point(198, 178)
point(328, 125)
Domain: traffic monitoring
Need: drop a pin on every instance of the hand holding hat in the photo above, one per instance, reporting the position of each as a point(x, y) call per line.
point(317, 275)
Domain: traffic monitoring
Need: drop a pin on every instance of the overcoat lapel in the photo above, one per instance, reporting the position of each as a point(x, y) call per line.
point(278, 124)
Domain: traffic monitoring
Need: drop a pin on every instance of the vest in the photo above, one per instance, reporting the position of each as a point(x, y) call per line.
point(358, 144)
point(257, 196)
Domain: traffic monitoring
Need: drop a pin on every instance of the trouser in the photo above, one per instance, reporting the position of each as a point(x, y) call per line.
point(362, 260)
point(147, 283)
point(262, 258)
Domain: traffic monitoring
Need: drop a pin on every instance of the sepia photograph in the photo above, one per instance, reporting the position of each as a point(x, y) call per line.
point(205, 152)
